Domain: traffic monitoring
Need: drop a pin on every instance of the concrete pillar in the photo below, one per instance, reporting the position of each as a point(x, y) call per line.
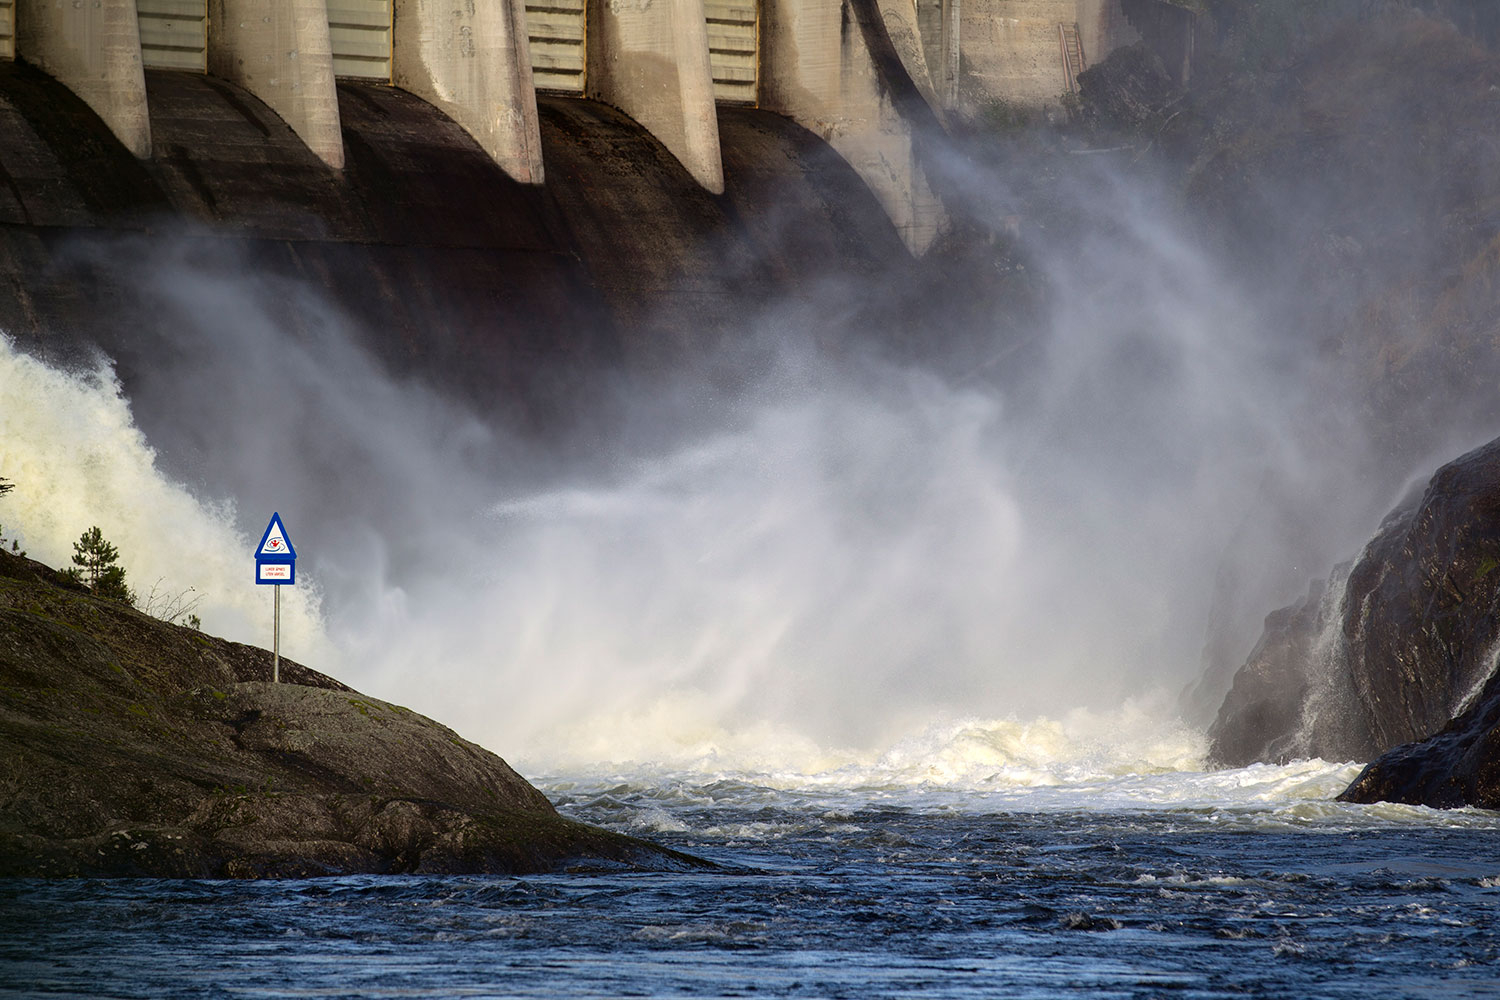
point(470, 59)
point(818, 69)
point(649, 58)
point(937, 27)
point(94, 49)
point(279, 51)
point(901, 25)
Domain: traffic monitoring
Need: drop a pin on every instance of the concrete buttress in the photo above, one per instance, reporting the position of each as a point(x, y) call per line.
point(649, 58)
point(900, 18)
point(818, 68)
point(94, 49)
point(470, 59)
point(280, 52)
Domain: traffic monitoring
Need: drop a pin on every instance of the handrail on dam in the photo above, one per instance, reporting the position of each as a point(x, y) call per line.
point(860, 74)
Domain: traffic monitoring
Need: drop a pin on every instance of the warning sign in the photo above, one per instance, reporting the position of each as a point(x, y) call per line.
point(275, 559)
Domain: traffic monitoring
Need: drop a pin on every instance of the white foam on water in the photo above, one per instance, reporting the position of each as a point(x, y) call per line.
point(1123, 762)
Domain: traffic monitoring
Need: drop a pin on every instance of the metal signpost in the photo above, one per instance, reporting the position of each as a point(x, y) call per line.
point(275, 564)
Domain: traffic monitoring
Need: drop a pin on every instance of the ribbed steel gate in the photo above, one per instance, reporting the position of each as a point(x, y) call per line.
point(554, 32)
point(733, 52)
point(360, 31)
point(173, 34)
point(7, 29)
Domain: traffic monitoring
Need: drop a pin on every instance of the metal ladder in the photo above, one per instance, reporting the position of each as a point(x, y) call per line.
point(1072, 54)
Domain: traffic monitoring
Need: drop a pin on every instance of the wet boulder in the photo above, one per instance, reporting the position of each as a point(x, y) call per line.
point(1391, 653)
point(1459, 765)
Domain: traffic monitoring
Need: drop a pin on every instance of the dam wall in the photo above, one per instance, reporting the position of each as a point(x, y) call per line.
point(1028, 53)
point(873, 78)
point(514, 294)
point(667, 65)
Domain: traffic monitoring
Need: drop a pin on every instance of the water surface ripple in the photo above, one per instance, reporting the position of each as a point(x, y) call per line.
point(819, 900)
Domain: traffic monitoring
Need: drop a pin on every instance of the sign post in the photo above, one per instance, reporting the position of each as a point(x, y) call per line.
point(275, 564)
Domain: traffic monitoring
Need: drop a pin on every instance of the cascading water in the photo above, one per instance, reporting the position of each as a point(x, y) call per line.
point(69, 444)
point(803, 571)
point(892, 648)
point(838, 589)
point(1327, 702)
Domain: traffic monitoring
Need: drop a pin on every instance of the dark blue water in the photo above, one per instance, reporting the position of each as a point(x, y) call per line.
point(873, 901)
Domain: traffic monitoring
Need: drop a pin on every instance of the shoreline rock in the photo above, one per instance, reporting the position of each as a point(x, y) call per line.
point(1457, 766)
point(1396, 665)
point(131, 747)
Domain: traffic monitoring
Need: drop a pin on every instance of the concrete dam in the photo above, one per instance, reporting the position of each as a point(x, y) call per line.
point(492, 189)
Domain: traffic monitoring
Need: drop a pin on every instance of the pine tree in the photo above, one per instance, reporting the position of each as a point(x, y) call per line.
point(15, 546)
point(95, 561)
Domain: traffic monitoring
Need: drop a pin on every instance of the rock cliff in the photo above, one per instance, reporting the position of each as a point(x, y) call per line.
point(1398, 655)
point(131, 747)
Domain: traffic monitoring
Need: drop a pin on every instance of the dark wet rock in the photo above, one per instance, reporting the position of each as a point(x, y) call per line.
point(1130, 91)
point(1457, 766)
point(129, 746)
point(1393, 654)
point(1261, 715)
point(1087, 922)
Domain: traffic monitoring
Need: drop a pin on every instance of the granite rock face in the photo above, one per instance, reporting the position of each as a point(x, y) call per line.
point(131, 747)
point(1391, 654)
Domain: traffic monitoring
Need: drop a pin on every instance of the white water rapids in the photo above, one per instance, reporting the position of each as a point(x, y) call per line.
point(68, 442)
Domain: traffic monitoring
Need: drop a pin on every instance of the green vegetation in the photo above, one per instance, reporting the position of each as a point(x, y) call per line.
point(15, 546)
point(95, 566)
point(1005, 117)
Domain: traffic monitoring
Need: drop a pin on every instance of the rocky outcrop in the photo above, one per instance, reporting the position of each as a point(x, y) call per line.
point(1457, 766)
point(129, 746)
point(1261, 716)
point(1395, 652)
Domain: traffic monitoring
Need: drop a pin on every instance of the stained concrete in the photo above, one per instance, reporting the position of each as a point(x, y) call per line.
point(471, 61)
point(279, 50)
point(819, 68)
point(94, 48)
point(1011, 51)
point(650, 60)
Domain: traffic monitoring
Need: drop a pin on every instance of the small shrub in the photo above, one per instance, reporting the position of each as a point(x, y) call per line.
point(15, 545)
point(172, 608)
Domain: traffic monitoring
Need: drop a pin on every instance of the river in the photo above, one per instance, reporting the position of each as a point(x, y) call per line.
point(844, 884)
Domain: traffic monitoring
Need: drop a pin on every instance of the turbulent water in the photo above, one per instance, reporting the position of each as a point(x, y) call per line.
point(776, 625)
point(864, 882)
point(1086, 853)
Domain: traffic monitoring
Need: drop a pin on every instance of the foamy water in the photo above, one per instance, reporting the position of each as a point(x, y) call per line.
point(1125, 763)
point(69, 443)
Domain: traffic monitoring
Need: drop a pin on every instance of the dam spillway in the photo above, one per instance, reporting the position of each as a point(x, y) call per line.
point(452, 266)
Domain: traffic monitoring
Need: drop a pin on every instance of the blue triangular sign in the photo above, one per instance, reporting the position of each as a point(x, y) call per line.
point(275, 543)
